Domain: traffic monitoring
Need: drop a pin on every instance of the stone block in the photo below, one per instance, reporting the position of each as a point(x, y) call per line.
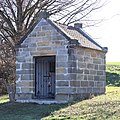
point(60, 77)
point(102, 90)
point(43, 48)
point(17, 66)
point(65, 90)
point(20, 59)
point(84, 83)
point(80, 51)
point(90, 91)
point(26, 84)
point(90, 66)
point(22, 96)
point(102, 55)
point(80, 71)
point(29, 59)
point(27, 90)
point(18, 90)
point(28, 66)
point(62, 64)
point(88, 60)
point(72, 70)
point(99, 84)
point(75, 83)
point(91, 83)
point(61, 70)
point(80, 58)
point(71, 63)
point(71, 57)
point(60, 97)
point(96, 67)
point(96, 78)
point(90, 77)
point(40, 33)
point(81, 65)
point(27, 77)
point(33, 45)
point(85, 77)
point(25, 50)
point(32, 49)
point(24, 71)
point(97, 61)
point(93, 54)
point(47, 27)
point(102, 67)
point(62, 58)
point(71, 76)
point(86, 71)
point(43, 43)
point(102, 78)
point(62, 83)
point(62, 51)
point(58, 37)
point(81, 90)
point(58, 43)
point(96, 90)
point(87, 53)
point(100, 73)
point(93, 72)
point(79, 77)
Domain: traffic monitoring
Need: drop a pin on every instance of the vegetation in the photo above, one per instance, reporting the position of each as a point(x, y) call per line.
point(113, 73)
point(113, 63)
point(4, 99)
point(104, 107)
point(18, 17)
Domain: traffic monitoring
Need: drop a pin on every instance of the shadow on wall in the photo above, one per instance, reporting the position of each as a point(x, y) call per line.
point(112, 79)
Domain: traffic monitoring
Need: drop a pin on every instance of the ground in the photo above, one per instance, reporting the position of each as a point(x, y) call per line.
point(103, 107)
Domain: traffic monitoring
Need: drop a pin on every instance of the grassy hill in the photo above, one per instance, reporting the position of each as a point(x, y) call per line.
point(113, 63)
point(113, 73)
point(104, 107)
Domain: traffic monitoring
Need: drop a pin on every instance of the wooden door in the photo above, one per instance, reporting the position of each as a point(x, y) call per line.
point(45, 77)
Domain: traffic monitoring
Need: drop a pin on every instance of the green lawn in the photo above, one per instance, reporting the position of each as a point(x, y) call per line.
point(4, 99)
point(113, 74)
point(104, 107)
point(113, 63)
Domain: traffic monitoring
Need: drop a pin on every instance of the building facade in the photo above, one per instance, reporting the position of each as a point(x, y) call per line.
point(59, 63)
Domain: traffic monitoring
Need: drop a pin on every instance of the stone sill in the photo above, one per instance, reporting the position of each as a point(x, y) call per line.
point(42, 101)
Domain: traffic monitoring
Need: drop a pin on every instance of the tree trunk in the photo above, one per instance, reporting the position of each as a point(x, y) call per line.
point(11, 91)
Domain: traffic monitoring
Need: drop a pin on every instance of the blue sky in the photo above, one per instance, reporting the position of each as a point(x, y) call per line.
point(108, 32)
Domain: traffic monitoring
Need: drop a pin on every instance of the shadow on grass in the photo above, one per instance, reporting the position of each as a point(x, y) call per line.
point(113, 79)
point(27, 111)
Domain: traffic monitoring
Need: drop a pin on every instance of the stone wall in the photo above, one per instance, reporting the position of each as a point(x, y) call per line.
point(88, 68)
point(80, 72)
point(44, 40)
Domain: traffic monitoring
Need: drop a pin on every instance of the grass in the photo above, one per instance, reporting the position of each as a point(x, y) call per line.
point(113, 63)
point(113, 74)
point(104, 107)
point(4, 99)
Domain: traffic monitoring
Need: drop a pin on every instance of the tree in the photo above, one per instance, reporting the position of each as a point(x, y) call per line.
point(18, 16)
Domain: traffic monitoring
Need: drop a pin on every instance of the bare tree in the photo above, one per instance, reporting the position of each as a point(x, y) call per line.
point(18, 16)
point(7, 68)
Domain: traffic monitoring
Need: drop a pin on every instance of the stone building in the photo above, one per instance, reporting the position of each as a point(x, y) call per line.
point(58, 63)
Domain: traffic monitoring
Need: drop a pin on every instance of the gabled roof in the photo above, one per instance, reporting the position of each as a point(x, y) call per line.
point(71, 33)
point(77, 34)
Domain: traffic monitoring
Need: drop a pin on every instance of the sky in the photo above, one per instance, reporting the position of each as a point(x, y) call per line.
point(108, 32)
